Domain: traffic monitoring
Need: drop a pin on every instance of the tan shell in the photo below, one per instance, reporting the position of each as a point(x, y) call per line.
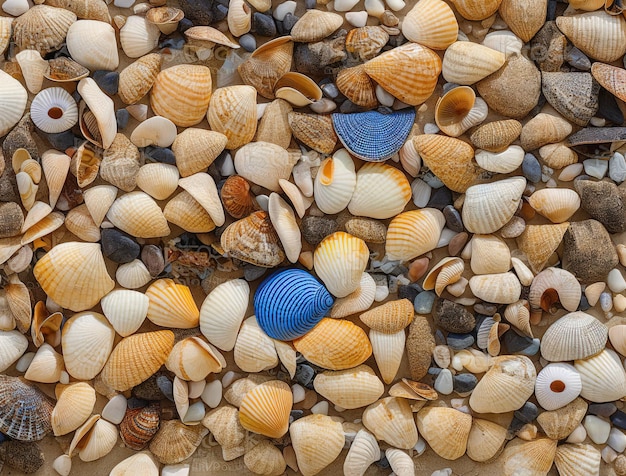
point(413, 233)
point(431, 23)
point(391, 317)
point(203, 189)
point(184, 211)
point(445, 429)
point(265, 409)
point(175, 441)
point(571, 460)
point(232, 112)
point(539, 242)
point(447, 271)
point(53, 22)
point(120, 163)
point(265, 458)
point(529, 457)
point(388, 350)
point(138, 214)
point(525, 18)
point(556, 204)
point(193, 359)
point(558, 424)
point(172, 305)
point(315, 131)
point(315, 25)
point(490, 255)
point(298, 89)
point(356, 85)
point(576, 335)
point(254, 351)
point(458, 110)
point(274, 125)
point(79, 222)
point(223, 423)
point(518, 314)
point(601, 36)
point(366, 42)
point(352, 388)
point(158, 180)
point(501, 288)
point(357, 301)
point(552, 285)
point(486, 439)
point(267, 65)
point(237, 198)
point(471, 10)
point(5, 33)
point(55, 167)
point(467, 63)
point(137, 79)
point(390, 419)
point(264, 163)
point(610, 78)
point(209, 36)
point(496, 136)
point(73, 407)
point(102, 108)
point(544, 129)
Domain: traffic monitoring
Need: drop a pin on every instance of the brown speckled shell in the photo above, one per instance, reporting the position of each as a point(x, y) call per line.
point(140, 425)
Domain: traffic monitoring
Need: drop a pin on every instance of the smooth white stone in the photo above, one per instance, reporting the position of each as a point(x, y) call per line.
point(65, 378)
point(457, 403)
point(396, 5)
point(431, 128)
point(384, 97)
point(338, 409)
point(115, 409)
point(176, 470)
point(617, 168)
point(444, 382)
point(124, 3)
point(421, 192)
point(196, 388)
point(323, 106)
point(141, 8)
point(578, 435)
point(617, 440)
point(298, 393)
point(597, 429)
point(320, 408)
point(24, 362)
point(446, 236)
point(598, 122)
point(551, 183)
point(375, 8)
point(228, 167)
point(606, 301)
point(619, 303)
point(396, 158)
point(263, 201)
point(137, 111)
point(616, 281)
point(608, 454)
point(420, 447)
point(15, 7)
point(357, 19)
point(345, 5)
point(597, 168)
point(381, 293)
point(281, 10)
point(212, 393)
point(260, 110)
point(570, 172)
point(62, 465)
point(229, 377)
point(195, 412)
point(442, 472)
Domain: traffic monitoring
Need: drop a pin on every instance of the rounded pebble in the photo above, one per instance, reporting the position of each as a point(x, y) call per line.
point(248, 42)
point(597, 429)
point(115, 409)
point(212, 393)
point(464, 383)
point(424, 301)
point(460, 341)
point(444, 383)
point(118, 246)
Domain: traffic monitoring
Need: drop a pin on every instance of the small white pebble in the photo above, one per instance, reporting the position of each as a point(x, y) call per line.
point(62, 465)
point(420, 447)
point(431, 128)
point(578, 435)
point(608, 455)
point(444, 383)
point(260, 110)
point(616, 281)
point(606, 301)
point(176, 470)
point(345, 5)
point(375, 8)
point(123, 3)
point(298, 392)
point(115, 409)
point(212, 393)
point(357, 19)
point(320, 408)
point(617, 168)
point(385, 98)
point(229, 377)
point(396, 5)
point(196, 388)
point(617, 440)
point(597, 429)
point(446, 236)
point(598, 121)
point(263, 201)
point(457, 403)
point(65, 378)
point(281, 10)
point(228, 167)
point(381, 293)
point(24, 362)
point(339, 409)
point(551, 183)
point(442, 472)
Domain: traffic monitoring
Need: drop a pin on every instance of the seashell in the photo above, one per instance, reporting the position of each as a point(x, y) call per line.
point(388, 352)
point(265, 409)
point(334, 344)
point(5, 33)
point(101, 106)
point(136, 358)
point(223, 423)
point(357, 301)
point(557, 156)
point(139, 463)
point(363, 451)
point(410, 159)
point(503, 162)
point(18, 300)
point(157, 130)
point(476, 10)
point(490, 255)
point(265, 458)
point(488, 207)
point(602, 376)
point(89, 9)
point(539, 242)
point(458, 110)
point(73, 408)
point(558, 424)
point(186, 109)
point(317, 441)
point(297, 89)
point(13, 99)
point(339, 261)
point(501, 288)
point(575, 336)
point(445, 429)
point(45, 327)
point(372, 136)
point(467, 63)
point(8, 247)
point(79, 222)
point(120, 163)
point(524, 18)
point(158, 180)
point(264, 163)
point(544, 129)
point(92, 44)
point(98, 200)
point(413, 233)
point(237, 198)
point(64, 69)
point(138, 36)
point(518, 314)
point(254, 350)
point(209, 36)
point(193, 359)
point(431, 23)
point(409, 72)
point(232, 112)
point(53, 22)
point(175, 441)
point(203, 189)
point(125, 310)
point(27, 189)
point(335, 182)
point(394, 191)
point(617, 337)
point(366, 42)
point(85, 164)
point(33, 67)
point(239, 17)
point(223, 311)
point(610, 78)
point(356, 85)
point(449, 159)
point(267, 65)
point(390, 419)
point(14, 344)
point(496, 136)
point(172, 305)
point(74, 275)
point(556, 204)
point(298, 200)
point(601, 36)
point(196, 149)
point(573, 95)
point(552, 285)
point(137, 78)
point(140, 425)
point(506, 386)
point(165, 18)
point(314, 130)
point(447, 271)
point(529, 457)
point(353, 388)
point(25, 413)
point(391, 317)
point(133, 275)
point(274, 125)
point(253, 240)
point(44, 227)
point(587, 5)
point(55, 167)
point(54, 110)
point(574, 459)
point(557, 385)
point(315, 25)
point(284, 222)
point(137, 214)
point(485, 440)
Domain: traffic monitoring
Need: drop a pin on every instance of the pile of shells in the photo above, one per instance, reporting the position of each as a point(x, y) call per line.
point(313, 237)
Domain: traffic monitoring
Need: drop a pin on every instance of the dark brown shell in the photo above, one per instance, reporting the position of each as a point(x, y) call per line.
point(140, 425)
point(24, 410)
point(238, 201)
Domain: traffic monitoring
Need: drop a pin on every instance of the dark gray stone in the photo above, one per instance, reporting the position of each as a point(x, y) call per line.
point(531, 168)
point(453, 317)
point(527, 413)
point(460, 341)
point(464, 383)
point(118, 246)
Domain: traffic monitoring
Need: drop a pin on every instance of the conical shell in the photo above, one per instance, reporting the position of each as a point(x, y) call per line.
point(265, 458)
point(518, 314)
point(314, 130)
point(101, 106)
point(544, 129)
point(490, 255)
point(274, 125)
point(232, 112)
point(539, 242)
point(172, 305)
point(557, 385)
point(92, 44)
point(237, 198)
point(175, 441)
point(193, 359)
point(445, 429)
point(254, 350)
point(136, 358)
point(552, 285)
point(335, 182)
point(524, 18)
point(501, 288)
point(126, 310)
point(14, 344)
point(317, 441)
point(390, 419)
point(120, 163)
point(264, 163)
point(74, 275)
point(46, 366)
point(353, 388)
point(139, 463)
point(267, 65)
point(182, 93)
point(485, 440)
point(476, 10)
point(184, 211)
point(381, 191)
point(42, 28)
point(222, 313)
point(13, 98)
point(431, 23)
point(315, 25)
point(602, 377)
point(140, 425)
point(73, 408)
point(137, 78)
point(388, 352)
point(195, 149)
point(413, 233)
point(496, 136)
point(137, 214)
point(391, 317)
point(556, 204)
point(363, 451)
point(571, 460)
point(55, 167)
point(529, 457)
point(357, 301)
point(601, 36)
point(25, 412)
point(64, 69)
point(265, 409)
point(356, 85)
point(467, 63)
point(447, 271)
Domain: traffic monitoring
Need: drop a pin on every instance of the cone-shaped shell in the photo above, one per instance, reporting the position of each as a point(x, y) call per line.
point(317, 441)
point(223, 311)
point(467, 63)
point(182, 93)
point(601, 36)
point(356, 85)
point(449, 159)
point(602, 376)
point(353, 388)
point(55, 167)
point(137, 214)
point(125, 310)
point(571, 460)
point(552, 285)
point(556, 204)
point(573, 95)
point(92, 44)
point(485, 440)
point(445, 429)
point(381, 191)
point(611, 78)
point(44, 227)
point(544, 129)
point(102, 108)
point(539, 242)
point(223, 423)
point(232, 112)
point(265, 409)
point(73, 408)
point(357, 301)
point(172, 305)
point(13, 98)
point(254, 350)
point(471, 10)
point(195, 149)
point(264, 163)
point(501, 288)
point(497, 136)
point(284, 222)
point(25, 412)
point(315, 25)
point(335, 182)
point(314, 130)
point(506, 386)
point(524, 18)
point(529, 457)
point(137, 78)
point(413, 233)
point(74, 275)
point(339, 261)
point(42, 28)
point(390, 419)
point(431, 23)
point(14, 344)
point(488, 207)
point(175, 441)
point(389, 318)
point(388, 352)
point(335, 344)
point(193, 359)
point(136, 358)
point(408, 72)
point(267, 65)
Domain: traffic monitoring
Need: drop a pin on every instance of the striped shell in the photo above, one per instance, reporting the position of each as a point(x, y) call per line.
point(557, 385)
point(391, 317)
point(414, 233)
point(576, 335)
point(140, 425)
point(42, 28)
point(317, 441)
point(352, 388)
point(232, 111)
point(13, 97)
point(602, 376)
point(335, 182)
point(381, 191)
point(24, 410)
point(265, 409)
point(172, 305)
point(290, 303)
point(431, 23)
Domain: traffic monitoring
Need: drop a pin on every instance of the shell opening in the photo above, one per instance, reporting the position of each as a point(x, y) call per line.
point(326, 171)
point(557, 386)
point(55, 112)
point(549, 297)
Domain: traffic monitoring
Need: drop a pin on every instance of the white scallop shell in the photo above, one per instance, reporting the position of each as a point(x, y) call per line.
point(576, 335)
point(133, 275)
point(401, 463)
point(254, 350)
point(602, 376)
point(363, 452)
point(335, 182)
point(12, 345)
point(158, 180)
point(13, 99)
point(357, 301)
point(87, 342)
point(504, 41)
point(92, 44)
point(125, 309)
point(557, 385)
point(54, 110)
point(138, 36)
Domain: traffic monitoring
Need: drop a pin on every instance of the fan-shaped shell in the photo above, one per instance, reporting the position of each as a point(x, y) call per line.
point(138, 36)
point(237, 198)
point(335, 182)
point(137, 214)
point(90, 9)
point(232, 112)
point(556, 204)
point(357, 301)
point(414, 233)
point(356, 85)
point(158, 180)
point(529, 457)
point(274, 125)
point(265, 409)
point(267, 65)
point(552, 285)
point(265, 458)
point(557, 385)
point(33, 67)
point(524, 18)
point(431, 23)
point(317, 441)
point(497, 135)
point(42, 28)
point(544, 129)
point(175, 441)
point(92, 44)
point(137, 78)
point(576, 335)
point(125, 310)
point(465, 62)
point(617, 335)
point(139, 463)
point(54, 110)
point(13, 99)
point(314, 130)
point(223, 311)
point(571, 460)
point(195, 149)
point(485, 440)
point(193, 359)
point(471, 10)
point(601, 36)
point(72, 408)
point(202, 188)
point(254, 350)
point(490, 255)
point(381, 191)
point(445, 429)
point(315, 25)
point(5, 33)
point(458, 110)
point(172, 305)
point(603, 377)
point(363, 451)
point(353, 388)
point(14, 344)
point(391, 317)
point(390, 419)
point(46, 366)
point(539, 242)
point(25, 412)
point(264, 163)
point(501, 288)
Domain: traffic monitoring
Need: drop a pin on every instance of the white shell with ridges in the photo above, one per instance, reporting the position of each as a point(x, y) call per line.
point(602, 376)
point(54, 110)
point(335, 182)
point(556, 385)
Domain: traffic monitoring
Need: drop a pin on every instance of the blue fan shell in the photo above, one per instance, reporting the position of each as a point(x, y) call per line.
point(372, 136)
point(289, 303)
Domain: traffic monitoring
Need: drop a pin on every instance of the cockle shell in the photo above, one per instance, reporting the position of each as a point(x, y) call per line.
point(92, 44)
point(431, 23)
point(232, 112)
point(267, 65)
point(158, 180)
point(274, 126)
point(485, 440)
point(381, 191)
point(552, 285)
point(528, 457)
point(172, 305)
point(601, 36)
point(254, 351)
point(13, 99)
point(544, 129)
point(447, 271)
point(317, 441)
point(237, 198)
point(617, 335)
point(55, 167)
point(391, 317)
point(284, 222)
point(602, 376)
point(203, 189)
point(138, 36)
point(223, 423)
point(575, 336)
point(314, 130)
point(175, 441)
point(140, 425)
point(413, 233)
point(445, 429)
point(335, 182)
point(133, 275)
point(46, 366)
point(18, 300)
point(557, 385)
point(390, 419)
point(73, 407)
point(223, 311)
point(265, 458)
point(193, 359)
point(352, 388)
point(571, 460)
point(465, 62)
point(363, 451)
point(539, 242)
point(14, 344)
point(556, 204)
point(490, 255)
point(139, 463)
point(42, 28)
point(89, 9)
point(138, 214)
point(356, 85)
point(125, 310)
point(315, 25)
point(264, 163)
point(476, 10)
point(25, 413)
point(501, 288)
point(524, 18)
point(137, 78)
point(496, 136)
point(265, 409)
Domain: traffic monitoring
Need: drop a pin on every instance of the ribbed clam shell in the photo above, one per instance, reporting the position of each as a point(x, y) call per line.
point(184, 211)
point(239, 17)
point(601, 36)
point(571, 460)
point(372, 136)
point(610, 78)
point(465, 62)
point(90, 9)
point(232, 112)
point(408, 72)
point(552, 284)
point(447, 271)
point(172, 305)
point(529, 457)
point(335, 344)
point(25, 410)
point(485, 440)
point(557, 156)
point(576, 335)
point(617, 335)
point(254, 351)
point(356, 85)
point(501, 288)
point(388, 352)
point(524, 18)
point(391, 317)
point(390, 419)
point(74, 275)
point(158, 180)
point(315, 131)
point(223, 423)
point(413, 233)
point(13, 98)
point(195, 149)
point(363, 451)
point(138, 36)
point(445, 429)
point(557, 385)
point(264, 163)
point(140, 425)
point(265, 458)
point(289, 303)
point(476, 10)
point(315, 25)
point(317, 441)
point(602, 376)
point(137, 78)
point(193, 359)
point(381, 191)
point(284, 222)
point(5, 33)
point(14, 344)
point(503, 162)
point(431, 23)
point(92, 44)
point(539, 242)
point(366, 42)
point(202, 188)
point(335, 182)
point(556, 204)
point(42, 28)
point(125, 310)
point(544, 129)
point(237, 198)
point(488, 207)
point(223, 311)
point(182, 93)
point(44, 227)
point(267, 65)
point(46, 366)
point(497, 136)
point(506, 386)
point(175, 441)
point(54, 110)
point(79, 222)
point(265, 409)
point(504, 41)
point(73, 408)
point(33, 67)
point(274, 125)
point(339, 261)
point(133, 275)
point(136, 358)
point(137, 214)
point(353, 388)
point(120, 163)
point(357, 301)
point(490, 255)
point(55, 166)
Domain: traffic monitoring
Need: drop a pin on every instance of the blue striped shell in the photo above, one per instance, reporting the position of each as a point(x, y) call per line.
point(372, 136)
point(289, 303)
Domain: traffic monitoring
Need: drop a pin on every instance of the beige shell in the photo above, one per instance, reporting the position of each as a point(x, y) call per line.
point(284, 222)
point(157, 130)
point(388, 350)
point(314, 130)
point(274, 125)
point(138, 36)
point(172, 305)
point(557, 155)
point(209, 36)
point(98, 200)
point(125, 309)
point(133, 275)
point(42, 28)
point(543, 129)
point(447, 271)
point(556, 204)
point(317, 441)
point(501, 288)
point(223, 311)
point(391, 317)
point(239, 17)
point(223, 423)
point(363, 451)
point(486, 439)
point(602, 376)
point(33, 67)
point(349, 389)
point(525, 18)
point(79, 222)
point(558, 424)
point(381, 191)
point(232, 112)
point(465, 62)
point(267, 65)
point(497, 135)
point(297, 89)
point(357, 301)
point(55, 166)
point(73, 407)
point(401, 463)
point(193, 359)
point(529, 457)
point(165, 18)
point(254, 351)
point(139, 463)
point(202, 188)
point(617, 335)
point(413, 233)
point(610, 78)
point(298, 200)
point(14, 97)
point(137, 214)
point(390, 419)
point(184, 211)
point(490, 255)
point(518, 314)
point(471, 10)
point(431, 23)
point(137, 78)
point(265, 409)
point(101, 106)
point(158, 180)
point(445, 429)
point(539, 242)
point(5, 33)
point(92, 44)
point(44, 227)
point(335, 182)
point(120, 163)
point(264, 163)
point(575, 336)
point(315, 25)
point(503, 162)
point(458, 110)
point(356, 85)
point(14, 344)
point(601, 36)
point(175, 441)
point(552, 285)
point(265, 458)
point(572, 460)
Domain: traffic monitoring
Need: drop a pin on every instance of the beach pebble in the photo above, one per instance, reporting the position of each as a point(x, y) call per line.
point(570, 172)
point(115, 409)
point(395, 5)
point(304, 374)
point(608, 454)
point(596, 168)
point(315, 229)
point(421, 192)
point(345, 5)
point(602, 409)
point(597, 429)
point(288, 22)
point(616, 281)
point(122, 117)
point(617, 440)
point(453, 218)
point(617, 168)
point(423, 303)
point(195, 412)
point(531, 168)
point(24, 456)
point(176, 470)
point(15, 7)
point(357, 19)
point(604, 201)
point(459, 341)
point(196, 388)
point(298, 392)
point(24, 361)
point(464, 383)
point(323, 106)
point(375, 8)
point(452, 317)
point(108, 81)
point(286, 7)
point(118, 246)
point(444, 383)
point(442, 356)
point(320, 408)
point(247, 42)
point(431, 128)
point(442, 472)
point(578, 435)
point(527, 413)
point(212, 393)
point(62, 465)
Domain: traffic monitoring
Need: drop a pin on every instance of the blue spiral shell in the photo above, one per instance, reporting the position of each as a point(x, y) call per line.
point(289, 303)
point(372, 136)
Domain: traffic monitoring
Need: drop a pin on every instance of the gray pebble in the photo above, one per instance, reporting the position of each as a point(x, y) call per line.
point(464, 383)
point(330, 90)
point(452, 317)
point(315, 229)
point(310, 4)
point(617, 168)
point(602, 409)
point(289, 21)
point(248, 42)
point(432, 180)
point(393, 284)
point(423, 303)
point(453, 218)
point(527, 413)
point(304, 374)
point(531, 168)
point(460, 341)
point(577, 59)
point(251, 272)
point(409, 292)
point(166, 386)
